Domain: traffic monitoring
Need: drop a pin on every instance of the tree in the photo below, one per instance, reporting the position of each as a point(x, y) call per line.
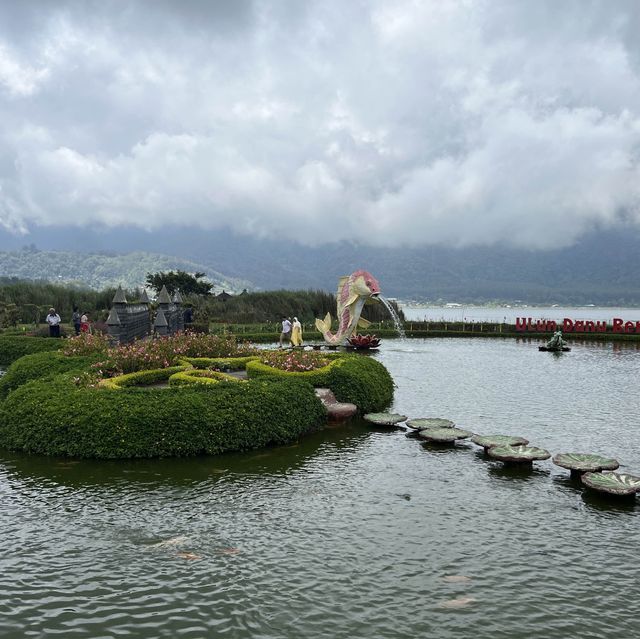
point(186, 283)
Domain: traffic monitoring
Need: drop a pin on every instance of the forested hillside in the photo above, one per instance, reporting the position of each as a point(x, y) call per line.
point(103, 270)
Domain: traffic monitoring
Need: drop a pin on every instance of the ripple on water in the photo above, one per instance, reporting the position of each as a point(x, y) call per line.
point(352, 532)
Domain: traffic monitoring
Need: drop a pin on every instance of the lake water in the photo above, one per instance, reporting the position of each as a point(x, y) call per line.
point(509, 315)
point(355, 531)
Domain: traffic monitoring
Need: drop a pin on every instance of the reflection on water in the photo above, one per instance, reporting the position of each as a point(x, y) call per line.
point(352, 532)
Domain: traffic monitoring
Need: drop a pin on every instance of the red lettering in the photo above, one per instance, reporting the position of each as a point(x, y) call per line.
point(551, 326)
point(617, 325)
point(589, 326)
point(567, 325)
point(601, 327)
point(637, 327)
point(629, 327)
point(579, 326)
point(521, 323)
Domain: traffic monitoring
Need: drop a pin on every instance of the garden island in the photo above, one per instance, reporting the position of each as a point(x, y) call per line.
point(187, 394)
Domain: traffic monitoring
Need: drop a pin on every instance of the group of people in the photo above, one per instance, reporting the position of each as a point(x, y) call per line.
point(79, 320)
point(291, 332)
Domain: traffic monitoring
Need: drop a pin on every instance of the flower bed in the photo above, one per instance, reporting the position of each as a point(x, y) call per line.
point(295, 361)
point(156, 353)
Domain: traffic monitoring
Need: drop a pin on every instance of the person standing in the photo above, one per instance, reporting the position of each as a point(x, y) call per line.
point(84, 323)
point(53, 319)
point(296, 332)
point(75, 318)
point(285, 334)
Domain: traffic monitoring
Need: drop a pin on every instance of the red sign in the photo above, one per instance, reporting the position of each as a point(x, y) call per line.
point(576, 326)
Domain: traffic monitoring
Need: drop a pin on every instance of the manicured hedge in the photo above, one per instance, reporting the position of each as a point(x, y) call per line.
point(222, 363)
point(12, 347)
point(56, 417)
point(40, 365)
point(363, 381)
point(140, 378)
point(195, 376)
point(319, 378)
point(357, 379)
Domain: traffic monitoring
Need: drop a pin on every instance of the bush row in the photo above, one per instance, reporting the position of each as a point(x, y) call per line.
point(12, 347)
point(57, 417)
point(357, 379)
point(39, 366)
point(195, 376)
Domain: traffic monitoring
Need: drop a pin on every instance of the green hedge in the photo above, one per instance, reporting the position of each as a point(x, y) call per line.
point(13, 347)
point(40, 365)
point(226, 363)
point(363, 381)
point(56, 417)
point(357, 379)
point(319, 378)
point(140, 378)
point(195, 376)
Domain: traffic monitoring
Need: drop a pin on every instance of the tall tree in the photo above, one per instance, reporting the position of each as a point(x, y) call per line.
point(186, 283)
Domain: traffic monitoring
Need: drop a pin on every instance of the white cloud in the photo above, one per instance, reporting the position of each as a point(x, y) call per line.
point(459, 122)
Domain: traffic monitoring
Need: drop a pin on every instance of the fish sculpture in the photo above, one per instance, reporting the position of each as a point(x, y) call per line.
point(353, 292)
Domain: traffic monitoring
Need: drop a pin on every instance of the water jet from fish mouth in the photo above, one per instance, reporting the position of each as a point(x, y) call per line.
point(394, 316)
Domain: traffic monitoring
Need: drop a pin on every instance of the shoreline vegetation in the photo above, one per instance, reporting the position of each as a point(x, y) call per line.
point(183, 395)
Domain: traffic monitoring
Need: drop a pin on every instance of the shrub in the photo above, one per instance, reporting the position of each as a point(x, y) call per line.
point(56, 417)
point(168, 351)
point(86, 344)
point(140, 378)
point(319, 378)
point(194, 376)
point(362, 381)
point(14, 347)
point(40, 365)
point(295, 361)
point(356, 379)
point(220, 363)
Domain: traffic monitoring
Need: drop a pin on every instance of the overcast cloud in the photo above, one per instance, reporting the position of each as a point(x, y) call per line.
point(411, 122)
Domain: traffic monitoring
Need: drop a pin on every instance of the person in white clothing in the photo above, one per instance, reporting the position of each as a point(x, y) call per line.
point(53, 319)
point(285, 335)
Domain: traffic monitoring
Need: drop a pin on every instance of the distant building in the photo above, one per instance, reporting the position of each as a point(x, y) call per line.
point(224, 296)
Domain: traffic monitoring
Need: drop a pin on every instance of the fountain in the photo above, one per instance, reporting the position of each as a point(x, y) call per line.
point(394, 316)
point(354, 291)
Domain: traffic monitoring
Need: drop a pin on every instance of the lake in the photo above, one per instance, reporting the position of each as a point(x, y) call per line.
point(509, 315)
point(354, 531)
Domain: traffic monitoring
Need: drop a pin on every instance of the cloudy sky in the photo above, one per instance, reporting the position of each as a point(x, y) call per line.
point(408, 122)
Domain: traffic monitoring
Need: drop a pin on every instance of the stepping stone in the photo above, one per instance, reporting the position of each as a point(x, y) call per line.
point(422, 423)
point(489, 441)
point(620, 484)
point(385, 419)
point(579, 463)
point(443, 435)
point(518, 454)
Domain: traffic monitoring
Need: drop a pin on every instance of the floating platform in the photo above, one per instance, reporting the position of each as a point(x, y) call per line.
point(564, 349)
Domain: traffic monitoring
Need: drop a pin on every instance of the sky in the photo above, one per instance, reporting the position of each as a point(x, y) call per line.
point(394, 123)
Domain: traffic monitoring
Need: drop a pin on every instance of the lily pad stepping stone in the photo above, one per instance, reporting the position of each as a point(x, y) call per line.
point(489, 441)
point(518, 454)
point(443, 435)
point(584, 463)
point(430, 422)
point(612, 483)
point(385, 419)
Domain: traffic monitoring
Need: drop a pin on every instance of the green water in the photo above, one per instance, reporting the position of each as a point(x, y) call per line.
point(352, 532)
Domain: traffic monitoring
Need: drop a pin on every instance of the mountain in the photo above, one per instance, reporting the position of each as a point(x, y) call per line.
point(600, 269)
point(102, 270)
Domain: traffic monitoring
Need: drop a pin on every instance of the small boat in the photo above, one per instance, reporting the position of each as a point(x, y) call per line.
point(564, 349)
